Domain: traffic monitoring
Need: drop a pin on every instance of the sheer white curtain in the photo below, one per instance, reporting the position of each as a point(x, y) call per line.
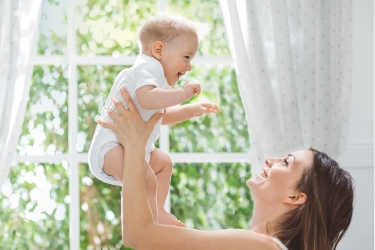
point(294, 72)
point(19, 23)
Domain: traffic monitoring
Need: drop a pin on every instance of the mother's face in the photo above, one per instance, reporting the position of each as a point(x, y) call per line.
point(277, 180)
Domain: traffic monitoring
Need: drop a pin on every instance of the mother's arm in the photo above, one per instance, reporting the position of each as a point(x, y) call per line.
point(138, 228)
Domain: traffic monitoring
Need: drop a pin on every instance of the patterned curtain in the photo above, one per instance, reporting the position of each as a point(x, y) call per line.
point(294, 71)
point(19, 22)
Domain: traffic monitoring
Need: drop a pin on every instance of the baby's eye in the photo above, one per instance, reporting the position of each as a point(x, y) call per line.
point(187, 57)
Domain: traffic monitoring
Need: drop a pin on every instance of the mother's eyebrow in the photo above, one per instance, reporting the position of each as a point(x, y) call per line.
point(294, 158)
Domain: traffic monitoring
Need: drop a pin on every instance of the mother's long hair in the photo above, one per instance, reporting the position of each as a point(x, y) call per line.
point(321, 222)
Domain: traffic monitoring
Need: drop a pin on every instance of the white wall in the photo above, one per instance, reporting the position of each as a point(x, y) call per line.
point(359, 157)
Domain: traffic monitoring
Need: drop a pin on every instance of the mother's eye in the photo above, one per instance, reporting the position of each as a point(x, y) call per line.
point(286, 162)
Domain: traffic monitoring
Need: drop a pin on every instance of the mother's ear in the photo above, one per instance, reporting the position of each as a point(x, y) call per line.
point(296, 199)
point(157, 49)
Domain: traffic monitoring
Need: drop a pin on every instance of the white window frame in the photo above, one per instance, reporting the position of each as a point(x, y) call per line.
point(74, 158)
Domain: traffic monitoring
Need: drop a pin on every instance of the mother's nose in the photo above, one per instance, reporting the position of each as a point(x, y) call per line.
point(269, 162)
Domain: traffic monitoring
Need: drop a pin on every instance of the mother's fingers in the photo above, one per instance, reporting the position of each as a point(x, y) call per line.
point(123, 111)
point(120, 108)
point(105, 124)
point(129, 101)
point(113, 114)
point(154, 119)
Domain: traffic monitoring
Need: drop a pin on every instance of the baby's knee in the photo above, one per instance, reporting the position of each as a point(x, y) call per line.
point(167, 162)
point(165, 166)
point(160, 161)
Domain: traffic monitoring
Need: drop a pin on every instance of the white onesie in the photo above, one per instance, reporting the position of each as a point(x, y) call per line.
point(145, 71)
point(279, 243)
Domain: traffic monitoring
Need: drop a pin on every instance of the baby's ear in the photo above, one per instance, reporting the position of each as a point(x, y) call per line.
point(157, 49)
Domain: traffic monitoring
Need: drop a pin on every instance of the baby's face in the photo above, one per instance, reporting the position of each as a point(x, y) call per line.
point(177, 56)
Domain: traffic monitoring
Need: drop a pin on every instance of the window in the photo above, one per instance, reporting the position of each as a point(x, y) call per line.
point(50, 199)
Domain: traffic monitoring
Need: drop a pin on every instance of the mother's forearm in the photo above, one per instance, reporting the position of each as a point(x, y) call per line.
point(136, 212)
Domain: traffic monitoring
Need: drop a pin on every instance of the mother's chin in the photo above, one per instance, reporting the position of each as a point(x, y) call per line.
point(251, 182)
point(255, 179)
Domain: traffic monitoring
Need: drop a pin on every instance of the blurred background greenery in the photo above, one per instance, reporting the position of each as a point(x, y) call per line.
point(35, 201)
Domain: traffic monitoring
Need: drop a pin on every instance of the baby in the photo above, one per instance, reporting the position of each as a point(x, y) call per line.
point(167, 45)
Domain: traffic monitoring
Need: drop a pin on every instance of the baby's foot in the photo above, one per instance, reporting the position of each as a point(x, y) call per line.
point(166, 218)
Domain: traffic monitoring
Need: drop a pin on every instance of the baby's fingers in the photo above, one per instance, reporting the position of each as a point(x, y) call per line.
point(211, 107)
point(216, 108)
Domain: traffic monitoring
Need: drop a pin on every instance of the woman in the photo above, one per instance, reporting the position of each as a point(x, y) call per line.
point(303, 201)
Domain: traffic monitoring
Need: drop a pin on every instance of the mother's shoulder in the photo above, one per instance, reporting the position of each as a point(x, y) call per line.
point(251, 239)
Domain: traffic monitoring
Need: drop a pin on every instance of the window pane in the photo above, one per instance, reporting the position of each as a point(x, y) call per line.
point(110, 27)
point(34, 204)
point(211, 196)
point(45, 128)
point(222, 132)
point(53, 28)
point(208, 11)
point(94, 84)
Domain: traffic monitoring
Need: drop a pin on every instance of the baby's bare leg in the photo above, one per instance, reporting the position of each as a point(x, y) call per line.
point(161, 164)
point(114, 164)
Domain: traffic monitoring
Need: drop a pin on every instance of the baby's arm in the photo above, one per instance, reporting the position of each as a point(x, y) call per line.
point(151, 97)
point(182, 113)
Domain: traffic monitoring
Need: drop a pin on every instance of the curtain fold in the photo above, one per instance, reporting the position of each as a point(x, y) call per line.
point(293, 63)
point(19, 33)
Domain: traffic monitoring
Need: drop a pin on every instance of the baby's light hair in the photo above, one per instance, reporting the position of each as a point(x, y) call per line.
point(166, 28)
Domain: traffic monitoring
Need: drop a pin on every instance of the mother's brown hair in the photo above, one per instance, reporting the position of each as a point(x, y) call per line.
point(321, 222)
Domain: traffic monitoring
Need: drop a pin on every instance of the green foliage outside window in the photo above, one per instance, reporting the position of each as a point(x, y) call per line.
point(34, 206)
point(110, 27)
point(53, 28)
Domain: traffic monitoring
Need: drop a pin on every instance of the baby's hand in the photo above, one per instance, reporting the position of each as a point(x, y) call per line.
point(191, 89)
point(205, 108)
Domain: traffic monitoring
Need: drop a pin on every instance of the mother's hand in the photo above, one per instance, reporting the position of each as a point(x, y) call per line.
point(128, 125)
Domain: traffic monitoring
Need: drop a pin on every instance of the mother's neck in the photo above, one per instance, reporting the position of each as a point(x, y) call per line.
point(264, 215)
